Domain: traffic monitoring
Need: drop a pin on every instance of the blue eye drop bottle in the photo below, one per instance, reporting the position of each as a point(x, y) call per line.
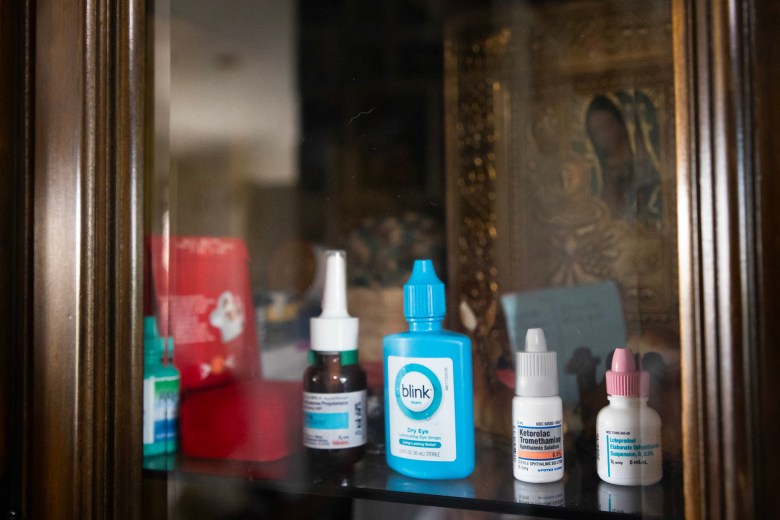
point(429, 403)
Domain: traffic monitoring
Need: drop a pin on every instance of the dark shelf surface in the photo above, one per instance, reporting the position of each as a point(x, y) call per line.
point(492, 488)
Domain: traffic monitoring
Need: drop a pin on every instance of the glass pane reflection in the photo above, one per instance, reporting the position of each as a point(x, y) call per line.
point(527, 148)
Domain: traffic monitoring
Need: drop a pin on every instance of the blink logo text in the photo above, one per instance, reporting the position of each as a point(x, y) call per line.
point(418, 391)
point(411, 391)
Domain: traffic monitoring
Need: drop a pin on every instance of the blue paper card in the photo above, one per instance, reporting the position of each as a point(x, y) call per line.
point(589, 315)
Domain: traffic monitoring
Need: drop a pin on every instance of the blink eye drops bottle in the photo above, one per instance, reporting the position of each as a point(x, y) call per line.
point(429, 400)
point(628, 432)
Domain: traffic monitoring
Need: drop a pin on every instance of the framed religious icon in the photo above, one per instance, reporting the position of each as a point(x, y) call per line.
point(562, 198)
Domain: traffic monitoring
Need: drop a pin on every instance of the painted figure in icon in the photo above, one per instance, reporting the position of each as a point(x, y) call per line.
point(623, 130)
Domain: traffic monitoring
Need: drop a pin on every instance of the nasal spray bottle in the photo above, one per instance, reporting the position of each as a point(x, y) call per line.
point(628, 432)
point(429, 409)
point(334, 386)
point(537, 413)
point(161, 393)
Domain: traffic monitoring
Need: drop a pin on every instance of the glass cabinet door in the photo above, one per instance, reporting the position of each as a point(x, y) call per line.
point(527, 149)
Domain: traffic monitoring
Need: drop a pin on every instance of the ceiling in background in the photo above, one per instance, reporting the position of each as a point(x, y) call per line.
point(233, 86)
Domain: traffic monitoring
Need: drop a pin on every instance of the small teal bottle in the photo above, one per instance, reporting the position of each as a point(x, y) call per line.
point(429, 402)
point(161, 394)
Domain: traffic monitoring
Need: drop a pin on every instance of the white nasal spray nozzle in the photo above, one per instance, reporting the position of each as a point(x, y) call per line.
point(334, 330)
point(536, 368)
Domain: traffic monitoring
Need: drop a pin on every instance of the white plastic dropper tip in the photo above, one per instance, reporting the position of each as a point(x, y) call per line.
point(535, 341)
point(334, 298)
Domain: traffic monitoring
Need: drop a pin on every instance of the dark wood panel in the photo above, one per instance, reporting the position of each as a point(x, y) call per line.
point(85, 417)
point(15, 275)
point(765, 359)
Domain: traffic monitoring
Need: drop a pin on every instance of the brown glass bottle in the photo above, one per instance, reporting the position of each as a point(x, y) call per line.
point(338, 374)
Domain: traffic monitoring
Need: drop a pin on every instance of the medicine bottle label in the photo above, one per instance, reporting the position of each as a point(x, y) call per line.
point(538, 445)
point(627, 454)
point(161, 409)
point(422, 408)
point(333, 421)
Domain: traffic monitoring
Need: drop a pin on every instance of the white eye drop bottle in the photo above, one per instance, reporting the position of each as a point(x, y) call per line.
point(537, 413)
point(628, 432)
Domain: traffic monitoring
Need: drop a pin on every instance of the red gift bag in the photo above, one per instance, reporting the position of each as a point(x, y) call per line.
point(204, 301)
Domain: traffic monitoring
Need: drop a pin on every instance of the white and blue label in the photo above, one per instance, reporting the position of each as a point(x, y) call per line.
point(422, 408)
point(332, 421)
point(627, 453)
point(161, 409)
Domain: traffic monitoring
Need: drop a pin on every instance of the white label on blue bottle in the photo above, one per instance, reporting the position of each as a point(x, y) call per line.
point(422, 408)
point(148, 410)
point(161, 409)
point(333, 421)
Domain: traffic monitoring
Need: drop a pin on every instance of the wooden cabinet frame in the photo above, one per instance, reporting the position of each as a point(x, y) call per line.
point(77, 76)
point(726, 113)
point(75, 87)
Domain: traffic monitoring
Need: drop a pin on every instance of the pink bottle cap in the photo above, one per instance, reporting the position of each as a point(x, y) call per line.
point(624, 379)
